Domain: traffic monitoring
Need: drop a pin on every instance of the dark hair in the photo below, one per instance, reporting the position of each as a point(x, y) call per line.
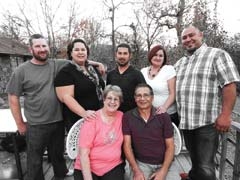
point(71, 45)
point(124, 45)
point(35, 36)
point(144, 85)
point(153, 52)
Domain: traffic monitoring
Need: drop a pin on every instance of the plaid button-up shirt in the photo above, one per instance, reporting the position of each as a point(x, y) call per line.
point(200, 78)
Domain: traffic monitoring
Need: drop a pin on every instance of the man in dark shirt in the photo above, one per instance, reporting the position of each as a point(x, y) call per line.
point(125, 76)
point(148, 138)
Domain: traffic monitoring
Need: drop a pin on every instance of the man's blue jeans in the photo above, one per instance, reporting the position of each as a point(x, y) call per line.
point(202, 144)
point(40, 137)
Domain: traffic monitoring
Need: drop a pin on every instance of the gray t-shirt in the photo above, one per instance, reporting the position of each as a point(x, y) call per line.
point(36, 84)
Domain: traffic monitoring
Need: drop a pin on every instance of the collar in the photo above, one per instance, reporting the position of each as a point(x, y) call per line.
point(198, 51)
point(129, 68)
point(136, 113)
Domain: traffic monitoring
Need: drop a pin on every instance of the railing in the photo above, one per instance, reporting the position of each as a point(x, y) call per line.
point(228, 142)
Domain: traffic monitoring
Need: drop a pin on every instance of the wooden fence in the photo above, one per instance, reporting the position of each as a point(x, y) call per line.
point(230, 151)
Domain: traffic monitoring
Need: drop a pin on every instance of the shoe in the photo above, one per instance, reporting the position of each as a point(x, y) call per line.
point(70, 172)
point(184, 176)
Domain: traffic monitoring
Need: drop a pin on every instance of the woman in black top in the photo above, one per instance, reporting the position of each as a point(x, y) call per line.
point(79, 85)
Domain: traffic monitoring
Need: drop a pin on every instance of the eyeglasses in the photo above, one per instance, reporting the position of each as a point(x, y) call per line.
point(144, 96)
point(112, 99)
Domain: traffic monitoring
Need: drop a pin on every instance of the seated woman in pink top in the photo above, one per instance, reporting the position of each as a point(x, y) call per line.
point(100, 141)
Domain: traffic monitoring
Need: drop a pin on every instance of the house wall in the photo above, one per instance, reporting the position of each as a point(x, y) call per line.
point(7, 65)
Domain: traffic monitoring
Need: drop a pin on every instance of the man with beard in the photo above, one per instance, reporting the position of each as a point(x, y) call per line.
point(125, 76)
point(44, 127)
point(205, 95)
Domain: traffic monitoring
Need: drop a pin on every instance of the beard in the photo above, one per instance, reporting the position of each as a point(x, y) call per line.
point(194, 47)
point(39, 57)
point(191, 51)
point(122, 64)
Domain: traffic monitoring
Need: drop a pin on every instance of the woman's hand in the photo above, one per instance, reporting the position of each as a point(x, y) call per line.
point(101, 68)
point(161, 109)
point(89, 114)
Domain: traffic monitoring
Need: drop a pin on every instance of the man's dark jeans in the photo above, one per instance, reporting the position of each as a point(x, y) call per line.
point(202, 144)
point(40, 137)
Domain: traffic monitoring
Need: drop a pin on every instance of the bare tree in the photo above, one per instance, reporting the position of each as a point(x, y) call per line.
point(180, 13)
point(11, 26)
point(136, 42)
point(212, 28)
point(88, 29)
point(233, 47)
point(26, 21)
point(201, 16)
point(14, 27)
point(157, 16)
point(152, 19)
point(49, 14)
point(112, 7)
point(72, 18)
point(46, 20)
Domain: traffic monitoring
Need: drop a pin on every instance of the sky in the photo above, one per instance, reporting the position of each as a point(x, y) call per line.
point(228, 11)
point(229, 14)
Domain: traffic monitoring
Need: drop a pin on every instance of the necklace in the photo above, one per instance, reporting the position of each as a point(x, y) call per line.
point(107, 118)
point(110, 134)
point(151, 74)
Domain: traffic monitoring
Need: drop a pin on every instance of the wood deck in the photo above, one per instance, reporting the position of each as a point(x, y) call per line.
point(8, 170)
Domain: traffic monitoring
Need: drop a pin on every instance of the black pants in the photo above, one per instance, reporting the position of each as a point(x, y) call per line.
point(175, 118)
point(38, 138)
point(117, 173)
point(202, 144)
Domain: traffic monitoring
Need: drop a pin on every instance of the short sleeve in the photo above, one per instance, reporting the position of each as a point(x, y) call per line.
point(64, 77)
point(168, 127)
point(144, 71)
point(60, 63)
point(170, 72)
point(225, 69)
point(140, 78)
point(15, 85)
point(125, 126)
point(87, 133)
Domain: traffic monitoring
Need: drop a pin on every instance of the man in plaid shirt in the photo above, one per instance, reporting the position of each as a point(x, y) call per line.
point(205, 95)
